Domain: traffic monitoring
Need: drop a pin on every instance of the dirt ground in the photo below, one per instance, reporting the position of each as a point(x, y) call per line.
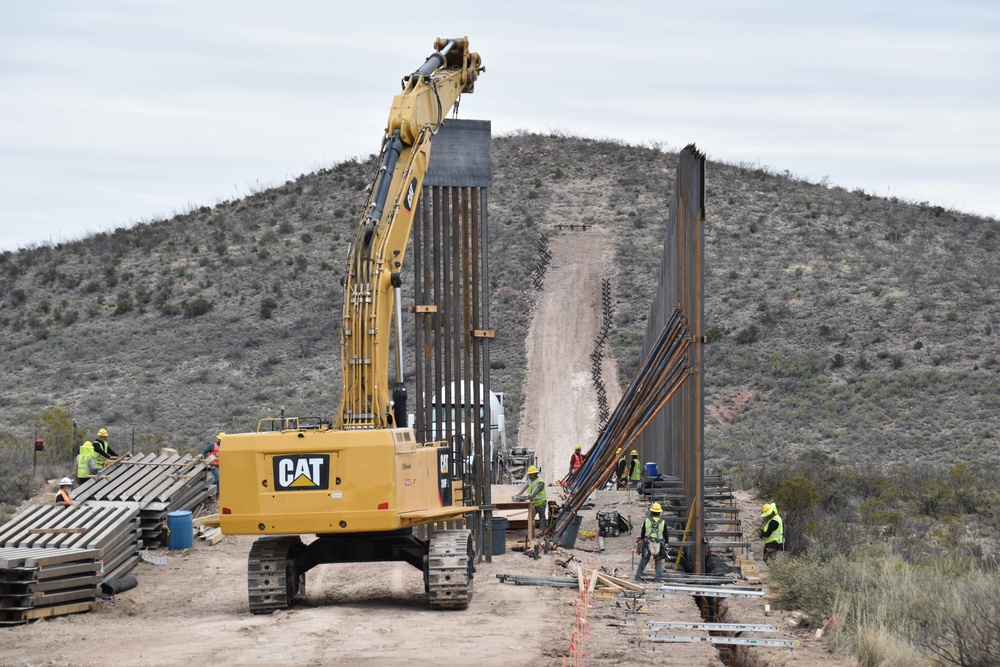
point(193, 609)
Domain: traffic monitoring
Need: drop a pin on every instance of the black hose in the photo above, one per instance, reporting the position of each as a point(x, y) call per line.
point(119, 585)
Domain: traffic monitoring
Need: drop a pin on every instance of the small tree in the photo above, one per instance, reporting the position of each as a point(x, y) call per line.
point(61, 436)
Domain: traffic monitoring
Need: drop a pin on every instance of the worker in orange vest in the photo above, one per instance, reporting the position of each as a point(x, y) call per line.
point(576, 460)
point(64, 497)
point(211, 454)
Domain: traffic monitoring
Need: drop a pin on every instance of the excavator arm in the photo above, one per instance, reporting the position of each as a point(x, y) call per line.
point(375, 260)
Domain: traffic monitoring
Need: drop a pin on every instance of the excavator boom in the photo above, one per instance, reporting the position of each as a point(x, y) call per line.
point(379, 244)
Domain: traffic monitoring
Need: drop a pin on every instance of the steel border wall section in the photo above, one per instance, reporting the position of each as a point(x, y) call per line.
point(451, 275)
point(676, 436)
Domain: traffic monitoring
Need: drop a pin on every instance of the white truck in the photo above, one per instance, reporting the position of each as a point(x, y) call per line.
point(451, 412)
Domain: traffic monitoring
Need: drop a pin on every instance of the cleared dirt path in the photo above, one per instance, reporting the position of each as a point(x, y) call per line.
point(560, 408)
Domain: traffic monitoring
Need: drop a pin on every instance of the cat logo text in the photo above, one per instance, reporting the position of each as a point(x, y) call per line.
point(302, 472)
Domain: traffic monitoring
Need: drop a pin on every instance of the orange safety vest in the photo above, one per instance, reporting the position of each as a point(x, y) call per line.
point(215, 454)
point(66, 498)
point(575, 461)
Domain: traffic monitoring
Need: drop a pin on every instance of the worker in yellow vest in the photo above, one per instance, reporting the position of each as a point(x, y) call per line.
point(635, 470)
point(535, 488)
point(103, 449)
point(654, 542)
point(621, 471)
point(86, 463)
point(772, 530)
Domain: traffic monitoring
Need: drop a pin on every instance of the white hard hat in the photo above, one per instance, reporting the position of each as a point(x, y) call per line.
point(65, 481)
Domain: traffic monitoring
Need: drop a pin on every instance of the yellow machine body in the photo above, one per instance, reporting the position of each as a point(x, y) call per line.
point(325, 481)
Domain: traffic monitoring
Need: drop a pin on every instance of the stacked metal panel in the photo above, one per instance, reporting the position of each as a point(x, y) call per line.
point(39, 582)
point(158, 483)
point(54, 558)
point(113, 532)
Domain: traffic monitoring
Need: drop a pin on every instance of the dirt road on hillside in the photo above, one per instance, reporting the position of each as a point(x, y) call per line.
point(560, 408)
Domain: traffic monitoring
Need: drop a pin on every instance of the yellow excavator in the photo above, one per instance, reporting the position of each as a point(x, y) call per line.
point(361, 484)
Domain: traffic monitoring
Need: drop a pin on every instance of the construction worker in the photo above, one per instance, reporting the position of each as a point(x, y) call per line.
point(211, 454)
point(654, 542)
point(772, 530)
point(535, 486)
point(621, 468)
point(86, 463)
point(103, 449)
point(576, 460)
point(635, 470)
point(64, 496)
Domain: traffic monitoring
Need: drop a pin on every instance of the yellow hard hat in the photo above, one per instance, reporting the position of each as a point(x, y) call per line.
point(532, 470)
point(220, 436)
point(656, 509)
point(577, 447)
point(635, 452)
point(618, 451)
point(767, 510)
point(103, 433)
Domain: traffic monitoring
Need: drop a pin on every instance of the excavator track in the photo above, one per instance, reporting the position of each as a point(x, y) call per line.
point(450, 566)
point(273, 577)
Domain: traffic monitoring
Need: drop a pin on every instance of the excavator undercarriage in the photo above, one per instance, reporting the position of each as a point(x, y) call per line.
point(277, 565)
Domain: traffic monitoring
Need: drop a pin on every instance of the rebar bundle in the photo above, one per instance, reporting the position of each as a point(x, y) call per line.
point(660, 376)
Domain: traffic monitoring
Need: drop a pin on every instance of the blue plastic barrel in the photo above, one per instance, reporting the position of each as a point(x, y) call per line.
point(181, 530)
point(651, 470)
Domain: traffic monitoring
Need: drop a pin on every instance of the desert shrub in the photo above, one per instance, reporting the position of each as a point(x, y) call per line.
point(124, 305)
point(714, 334)
point(196, 307)
point(747, 335)
point(267, 307)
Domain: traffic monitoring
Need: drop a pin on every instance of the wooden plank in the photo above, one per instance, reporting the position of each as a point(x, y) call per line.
point(610, 585)
point(44, 531)
point(47, 612)
point(622, 582)
point(210, 520)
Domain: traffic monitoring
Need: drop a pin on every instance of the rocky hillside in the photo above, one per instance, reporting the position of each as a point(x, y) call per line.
point(841, 324)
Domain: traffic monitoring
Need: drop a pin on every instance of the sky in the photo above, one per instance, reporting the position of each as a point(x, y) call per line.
point(115, 112)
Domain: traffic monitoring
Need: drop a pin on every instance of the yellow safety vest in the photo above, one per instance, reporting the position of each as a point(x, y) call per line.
point(536, 486)
point(779, 534)
point(654, 528)
point(86, 453)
